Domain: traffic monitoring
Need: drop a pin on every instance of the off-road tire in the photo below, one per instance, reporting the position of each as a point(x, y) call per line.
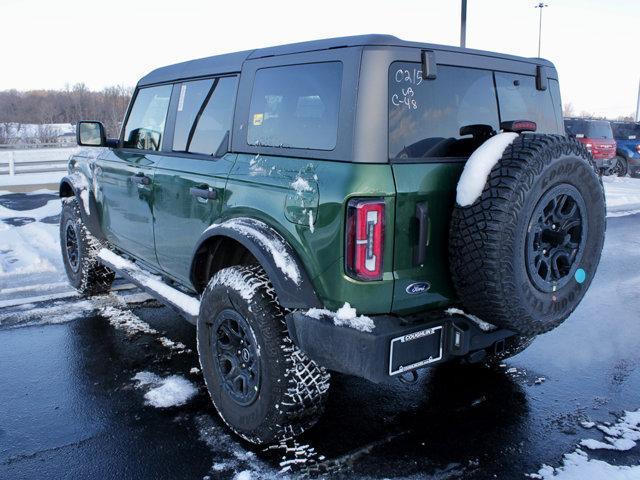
point(86, 274)
point(489, 239)
point(621, 167)
point(292, 389)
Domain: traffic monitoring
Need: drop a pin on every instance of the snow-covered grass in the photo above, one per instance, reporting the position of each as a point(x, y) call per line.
point(166, 392)
point(345, 316)
point(623, 435)
point(477, 169)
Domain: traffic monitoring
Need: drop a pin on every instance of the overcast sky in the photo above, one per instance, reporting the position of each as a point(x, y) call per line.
point(47, 43)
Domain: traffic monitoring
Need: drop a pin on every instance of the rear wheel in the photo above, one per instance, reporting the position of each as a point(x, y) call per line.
point(620, 168)
point(261, 384)
point(79, 252)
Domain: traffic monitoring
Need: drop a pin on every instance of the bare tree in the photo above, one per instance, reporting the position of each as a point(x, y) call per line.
point(568, 110)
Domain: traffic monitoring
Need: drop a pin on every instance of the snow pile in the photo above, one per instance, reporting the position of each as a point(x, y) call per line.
point(170, 391)
point(477, 169)
point(346, 316)
point(273, 244)
point(482, 325)
point(80, 183)
point(622, 194)
point(182, 300)
point(578, 466)
point(300, 185)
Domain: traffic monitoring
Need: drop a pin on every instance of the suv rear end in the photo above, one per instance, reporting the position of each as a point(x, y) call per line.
point(597, 136)
point(627, 135)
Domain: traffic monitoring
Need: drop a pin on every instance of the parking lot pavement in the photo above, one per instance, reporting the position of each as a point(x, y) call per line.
point(70, 406)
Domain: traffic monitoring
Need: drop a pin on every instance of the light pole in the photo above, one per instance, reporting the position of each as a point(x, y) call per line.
point(541, 5)
point(463, 24)
point(638, 105)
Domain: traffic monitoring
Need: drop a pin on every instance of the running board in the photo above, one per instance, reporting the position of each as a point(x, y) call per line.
point(184, 304)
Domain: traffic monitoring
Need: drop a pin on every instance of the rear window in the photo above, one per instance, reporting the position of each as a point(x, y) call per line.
point(521, 100)
point(626, 131)
point(588, 128)
point(296, 106)
point(450, 116)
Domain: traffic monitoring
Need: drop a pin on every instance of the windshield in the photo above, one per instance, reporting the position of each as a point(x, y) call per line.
point(626, 130)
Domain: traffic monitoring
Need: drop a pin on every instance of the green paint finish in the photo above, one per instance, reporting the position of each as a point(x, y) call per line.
point(263, 187)
point(434, 183)
point(180, 218)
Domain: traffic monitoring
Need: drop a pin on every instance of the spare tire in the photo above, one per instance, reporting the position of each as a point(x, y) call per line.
point(524, 253)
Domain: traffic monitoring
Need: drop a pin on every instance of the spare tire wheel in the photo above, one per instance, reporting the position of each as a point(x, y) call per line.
point(523, 255)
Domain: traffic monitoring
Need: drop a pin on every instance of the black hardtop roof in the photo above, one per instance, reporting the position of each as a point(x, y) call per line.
point(232, 62)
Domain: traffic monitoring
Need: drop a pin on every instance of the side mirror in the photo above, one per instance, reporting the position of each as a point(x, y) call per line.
point(90, 134)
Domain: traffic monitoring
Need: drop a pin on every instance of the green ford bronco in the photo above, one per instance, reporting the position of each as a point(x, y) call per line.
point(363, 205)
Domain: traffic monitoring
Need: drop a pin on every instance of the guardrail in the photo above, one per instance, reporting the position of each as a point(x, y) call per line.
point(26, 161)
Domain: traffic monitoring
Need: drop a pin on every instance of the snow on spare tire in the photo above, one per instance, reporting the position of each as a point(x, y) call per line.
point(527, 231)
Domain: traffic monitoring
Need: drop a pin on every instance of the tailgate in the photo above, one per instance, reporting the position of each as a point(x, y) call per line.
point(425, 198)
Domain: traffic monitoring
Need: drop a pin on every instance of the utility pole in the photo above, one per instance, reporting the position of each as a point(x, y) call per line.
point(638, 105)
point(463, 24)
point(541, 5)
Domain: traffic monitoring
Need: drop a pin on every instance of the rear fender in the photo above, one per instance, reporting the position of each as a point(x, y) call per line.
point(286, 273)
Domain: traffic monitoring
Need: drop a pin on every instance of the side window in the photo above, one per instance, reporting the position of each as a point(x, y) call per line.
point(296, 106)
point(145, 125)
point(520, 100)
point(447, 117)
point(205, 112)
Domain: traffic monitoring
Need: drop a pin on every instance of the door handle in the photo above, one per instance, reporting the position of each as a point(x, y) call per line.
point(140, 179)
point(203, 192)
point(420, 251)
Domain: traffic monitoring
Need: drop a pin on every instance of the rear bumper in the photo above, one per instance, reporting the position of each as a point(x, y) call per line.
point(396, 345)
point(604, 162)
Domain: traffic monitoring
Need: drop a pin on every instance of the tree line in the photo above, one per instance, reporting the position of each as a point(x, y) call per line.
point(77, 102)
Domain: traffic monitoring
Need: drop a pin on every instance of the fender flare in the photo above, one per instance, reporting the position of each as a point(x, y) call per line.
point(285, 271)
point(78, 184)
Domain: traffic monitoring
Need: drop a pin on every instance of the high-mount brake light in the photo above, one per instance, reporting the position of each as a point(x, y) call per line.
point(365, 239)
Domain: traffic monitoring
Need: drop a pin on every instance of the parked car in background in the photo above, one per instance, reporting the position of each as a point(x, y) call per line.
point(627, 135)
point(597, 136)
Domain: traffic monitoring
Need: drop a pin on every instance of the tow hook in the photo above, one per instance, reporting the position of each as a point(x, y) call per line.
point(409, 378)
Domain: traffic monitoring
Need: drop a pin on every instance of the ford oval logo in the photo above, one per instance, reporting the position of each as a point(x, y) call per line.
point(418, 287)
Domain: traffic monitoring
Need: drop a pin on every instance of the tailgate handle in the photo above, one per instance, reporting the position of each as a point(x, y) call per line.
point(204, 192)
point(420, 251)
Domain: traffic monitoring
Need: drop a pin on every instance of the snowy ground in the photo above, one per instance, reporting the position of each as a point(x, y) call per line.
point(111, 386)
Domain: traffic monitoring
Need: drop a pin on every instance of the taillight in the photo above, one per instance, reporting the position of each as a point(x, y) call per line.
point(638, 148)
point(365, 238)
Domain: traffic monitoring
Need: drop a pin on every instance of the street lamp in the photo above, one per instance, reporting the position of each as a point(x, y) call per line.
point(541, 5)
point(463, 24)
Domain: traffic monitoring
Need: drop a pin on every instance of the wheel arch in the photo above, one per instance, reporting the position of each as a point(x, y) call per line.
point(245, 240)
point(73, 185)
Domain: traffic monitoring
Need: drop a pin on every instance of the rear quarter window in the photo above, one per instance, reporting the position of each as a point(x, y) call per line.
point(296, 106)
point(450, 116)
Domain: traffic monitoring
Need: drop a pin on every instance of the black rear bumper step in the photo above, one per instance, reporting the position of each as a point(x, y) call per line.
point(394, 346)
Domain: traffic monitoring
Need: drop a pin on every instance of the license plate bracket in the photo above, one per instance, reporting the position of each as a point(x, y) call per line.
point(415, 349)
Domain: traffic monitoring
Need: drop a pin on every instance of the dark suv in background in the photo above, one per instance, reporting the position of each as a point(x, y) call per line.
point(627, 135)
point(597, 136)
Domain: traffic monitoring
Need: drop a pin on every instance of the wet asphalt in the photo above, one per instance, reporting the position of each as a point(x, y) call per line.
point(69, 407)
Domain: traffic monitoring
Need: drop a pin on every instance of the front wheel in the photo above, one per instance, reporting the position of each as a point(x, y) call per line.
point(261, 384)
point(79, 252)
